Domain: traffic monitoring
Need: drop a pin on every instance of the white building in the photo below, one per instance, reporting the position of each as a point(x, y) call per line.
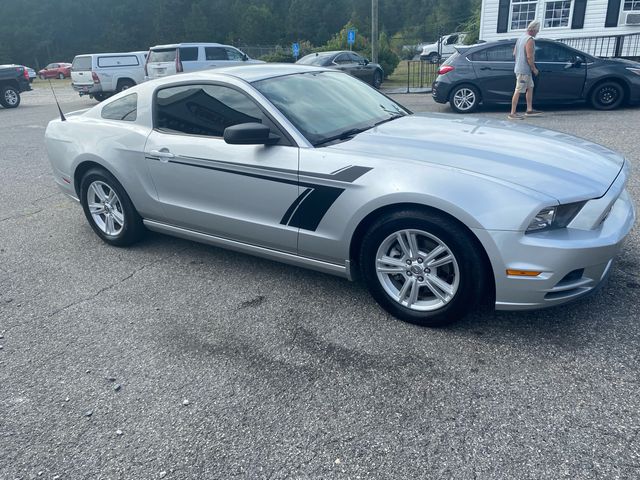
point(601, 27)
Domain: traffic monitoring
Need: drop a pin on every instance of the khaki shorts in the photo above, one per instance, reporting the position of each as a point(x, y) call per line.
point(523, 82)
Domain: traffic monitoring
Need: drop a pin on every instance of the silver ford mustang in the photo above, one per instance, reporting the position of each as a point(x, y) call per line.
point(312, 167)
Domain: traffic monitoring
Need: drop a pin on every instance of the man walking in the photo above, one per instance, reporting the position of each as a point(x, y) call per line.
point(525, 68)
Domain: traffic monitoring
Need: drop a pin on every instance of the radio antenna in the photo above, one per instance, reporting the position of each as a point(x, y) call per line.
point(62, 117)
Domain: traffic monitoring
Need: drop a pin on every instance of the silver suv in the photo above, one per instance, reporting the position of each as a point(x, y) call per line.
point(166, 60)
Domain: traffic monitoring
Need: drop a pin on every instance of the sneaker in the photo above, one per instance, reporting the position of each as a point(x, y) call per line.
point(533, 113)
point(515, 116)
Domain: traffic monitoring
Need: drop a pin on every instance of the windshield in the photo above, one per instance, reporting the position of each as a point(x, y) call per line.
point(327, 105)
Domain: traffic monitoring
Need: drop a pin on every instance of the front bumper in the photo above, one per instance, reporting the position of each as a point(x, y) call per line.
point(574, 261)
point(87, 89)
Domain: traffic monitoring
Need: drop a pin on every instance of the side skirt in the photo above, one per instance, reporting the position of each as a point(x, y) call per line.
point(283, 257)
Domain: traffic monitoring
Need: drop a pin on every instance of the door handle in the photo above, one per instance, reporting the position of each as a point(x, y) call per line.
point(163, 154)
point(485, 68)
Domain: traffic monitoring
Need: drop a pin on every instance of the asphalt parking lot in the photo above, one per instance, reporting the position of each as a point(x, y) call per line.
point(178, 360)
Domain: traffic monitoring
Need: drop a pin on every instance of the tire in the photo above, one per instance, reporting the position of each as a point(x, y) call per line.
point(99, 97)
point(607, 96)
point(443, 293)
point(42, 77)
point(433, 57)
point(124, 85)
point(61, 76)
point(464, 99)
point(377, 79)
point(111, 215)
point(9, 97)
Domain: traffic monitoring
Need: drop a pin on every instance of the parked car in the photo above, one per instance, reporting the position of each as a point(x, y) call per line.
point(312, 167)
point(100, 75)
point(349, 62)
point(166, 60)
point(483, 74)
point(31, 72)
point(448, 46)
point(14, 79)
point(55, 70)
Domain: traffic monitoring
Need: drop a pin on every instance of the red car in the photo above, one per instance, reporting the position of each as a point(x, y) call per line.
point(55, 70)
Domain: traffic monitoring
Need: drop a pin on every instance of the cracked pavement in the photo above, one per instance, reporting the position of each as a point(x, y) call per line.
point(289, 373)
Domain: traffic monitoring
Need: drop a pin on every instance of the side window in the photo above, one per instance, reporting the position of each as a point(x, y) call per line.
point(204, 110)
point(188, 54)
point(342, 59)
point(355, 58)
point(501, 53)
point(125, 108)
point(452, 40)
point(549, 52)
point(215, 53)
point(480, 56)
point(233, 54)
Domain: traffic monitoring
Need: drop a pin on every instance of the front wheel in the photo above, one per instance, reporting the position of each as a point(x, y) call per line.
point(9, 97)
point(433, 57)
point(109, 210)
point(61, 76)
point(377, 79)
point(422, 267)
point(607, 96)
point(464, 99)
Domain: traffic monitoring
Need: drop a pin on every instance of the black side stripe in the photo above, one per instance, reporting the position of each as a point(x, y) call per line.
point(308, 210)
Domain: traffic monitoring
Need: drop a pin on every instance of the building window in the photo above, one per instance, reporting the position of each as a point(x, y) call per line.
point(522, 13)
point(631, 5)
point(557, 14)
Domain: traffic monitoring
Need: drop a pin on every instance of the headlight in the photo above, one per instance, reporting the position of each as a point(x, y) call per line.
point(634, 70)
point(558, 216)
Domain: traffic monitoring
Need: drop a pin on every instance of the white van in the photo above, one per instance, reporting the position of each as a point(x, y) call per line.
point(166, 60)
point(100, 75)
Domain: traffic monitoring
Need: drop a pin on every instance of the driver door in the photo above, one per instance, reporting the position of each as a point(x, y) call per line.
point(238, 192)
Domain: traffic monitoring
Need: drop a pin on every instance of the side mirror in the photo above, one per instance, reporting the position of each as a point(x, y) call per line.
point(250, 134)
point(366, 62)
point(245, 57)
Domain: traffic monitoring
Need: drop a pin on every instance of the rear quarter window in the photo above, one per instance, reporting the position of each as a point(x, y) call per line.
point(81, 63)
point(188, 54)
point(125, 108)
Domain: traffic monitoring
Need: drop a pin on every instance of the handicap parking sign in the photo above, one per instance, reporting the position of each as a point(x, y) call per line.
point(351, 37)
point(296, 49)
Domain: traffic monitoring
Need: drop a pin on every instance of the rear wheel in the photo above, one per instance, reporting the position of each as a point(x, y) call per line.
point(61, 76)
point(109, 210)
point(421, 267)
point(99, 96)
point(9, 97)
point(125, 84)
point(607, 96)
point(464, 99)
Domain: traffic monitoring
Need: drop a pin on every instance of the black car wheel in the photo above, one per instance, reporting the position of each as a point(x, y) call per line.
point(464, 99)
point(9, 97)
point(125, 84)
point(42, 77)
point(109, 210)
point(61, 76)
point(607, 96)
point(99, 97)
point(377, 79)
point(422, 267)
point(433, 57)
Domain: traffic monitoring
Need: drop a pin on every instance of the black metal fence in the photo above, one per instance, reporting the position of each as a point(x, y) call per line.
point(610, 46)
point(421, 74)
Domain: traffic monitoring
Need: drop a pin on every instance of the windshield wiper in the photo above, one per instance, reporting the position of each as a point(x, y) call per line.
point(343, 135)
point(391, 117)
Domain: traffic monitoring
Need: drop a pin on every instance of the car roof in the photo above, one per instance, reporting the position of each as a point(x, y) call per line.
point(248, 73)
point(111, 54)
point(190, 44)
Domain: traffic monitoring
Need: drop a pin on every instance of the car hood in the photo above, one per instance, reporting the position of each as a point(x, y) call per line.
point(555, 164)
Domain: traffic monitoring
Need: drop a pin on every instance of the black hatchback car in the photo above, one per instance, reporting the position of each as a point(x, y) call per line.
point(349, 62)
point(484, 74)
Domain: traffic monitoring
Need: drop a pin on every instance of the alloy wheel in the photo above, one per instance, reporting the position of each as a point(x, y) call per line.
point(464, 99)
point(11, 97)
point(105, 208)
point(417, 270)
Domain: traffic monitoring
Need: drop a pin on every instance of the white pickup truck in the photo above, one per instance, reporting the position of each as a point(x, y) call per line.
point(449, 42)
point(100, 75)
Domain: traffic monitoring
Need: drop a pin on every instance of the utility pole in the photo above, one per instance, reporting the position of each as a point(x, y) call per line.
point(374, 31)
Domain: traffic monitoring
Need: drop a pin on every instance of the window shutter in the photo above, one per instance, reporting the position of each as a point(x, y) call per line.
point(579, 9)
point(613, 12)
point(503, 16)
